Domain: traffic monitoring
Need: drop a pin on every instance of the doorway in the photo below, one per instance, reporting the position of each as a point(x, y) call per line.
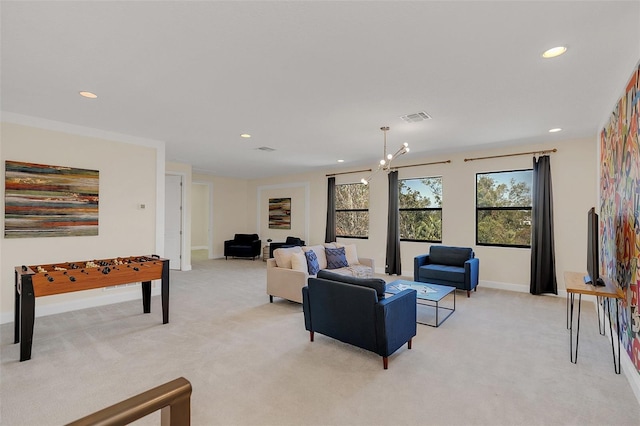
point(201, 221)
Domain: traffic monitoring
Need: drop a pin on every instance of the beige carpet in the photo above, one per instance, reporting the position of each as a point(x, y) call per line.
point(501, 359)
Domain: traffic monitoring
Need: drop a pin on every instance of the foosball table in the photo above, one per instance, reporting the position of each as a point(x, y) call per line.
point(58, 278)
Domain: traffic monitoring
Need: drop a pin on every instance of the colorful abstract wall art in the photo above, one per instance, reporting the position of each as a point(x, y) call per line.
point(620, 210)
point(49, 201)
point(279, 213)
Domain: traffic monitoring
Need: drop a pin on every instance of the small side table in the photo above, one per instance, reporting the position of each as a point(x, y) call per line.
point(574, 284)
point(265, 253)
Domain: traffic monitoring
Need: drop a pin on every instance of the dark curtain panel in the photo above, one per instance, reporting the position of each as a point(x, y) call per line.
point(330, 234)
point(543, 261)
point(393, 265)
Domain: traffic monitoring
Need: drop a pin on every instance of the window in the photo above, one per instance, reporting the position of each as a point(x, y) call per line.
point(420, 205)
point(352, 210)
point(503, 208)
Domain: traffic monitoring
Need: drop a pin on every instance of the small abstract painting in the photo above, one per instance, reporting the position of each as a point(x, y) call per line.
point(49, 201)
point(279, 213)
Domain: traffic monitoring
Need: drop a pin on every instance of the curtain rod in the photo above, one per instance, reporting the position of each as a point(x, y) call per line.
point(513, 155)
point(422, 164)
point(346, 173)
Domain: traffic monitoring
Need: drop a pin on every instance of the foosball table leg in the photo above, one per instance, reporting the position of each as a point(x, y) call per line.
point(146, 296)
point(165, 291)
point(16, 312)
point(27, 317)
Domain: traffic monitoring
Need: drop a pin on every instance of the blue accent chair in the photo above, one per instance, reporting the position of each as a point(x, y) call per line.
point(445, 265)
point(355, 311)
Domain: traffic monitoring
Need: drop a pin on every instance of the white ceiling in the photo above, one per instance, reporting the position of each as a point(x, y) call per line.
point(315, 80)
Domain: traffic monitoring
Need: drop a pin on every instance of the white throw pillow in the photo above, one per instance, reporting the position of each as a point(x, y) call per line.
point(283, 256)
point(320, 254)
point(350, 253)
point(299, 262)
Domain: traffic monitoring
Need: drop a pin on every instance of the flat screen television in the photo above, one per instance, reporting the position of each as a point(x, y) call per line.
point(593, 249)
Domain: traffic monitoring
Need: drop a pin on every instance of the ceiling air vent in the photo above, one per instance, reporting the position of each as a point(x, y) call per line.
point(418, 116)
point(265, 148)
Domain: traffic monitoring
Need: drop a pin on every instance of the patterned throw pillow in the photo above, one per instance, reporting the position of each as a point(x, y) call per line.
point(312, 262)
point(336, 258)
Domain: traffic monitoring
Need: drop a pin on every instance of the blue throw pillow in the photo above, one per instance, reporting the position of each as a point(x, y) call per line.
point(312, 262)
point(336, 258)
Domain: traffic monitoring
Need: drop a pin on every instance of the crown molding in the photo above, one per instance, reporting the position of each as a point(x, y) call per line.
point(46, 124)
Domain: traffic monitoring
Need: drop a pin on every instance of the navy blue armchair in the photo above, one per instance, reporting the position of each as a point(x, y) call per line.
point(355, 311)
point(243, 245)
point(445, 265)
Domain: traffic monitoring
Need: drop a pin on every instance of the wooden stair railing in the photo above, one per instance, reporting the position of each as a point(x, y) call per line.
point(173, 398)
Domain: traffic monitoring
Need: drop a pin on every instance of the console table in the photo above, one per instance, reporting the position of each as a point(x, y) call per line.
point(574, 283)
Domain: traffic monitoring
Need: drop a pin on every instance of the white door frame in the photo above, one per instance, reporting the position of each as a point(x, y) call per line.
point(183, 220)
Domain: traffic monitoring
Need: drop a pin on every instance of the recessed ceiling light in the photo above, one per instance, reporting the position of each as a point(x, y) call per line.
point(340, 161)
point(88, 95)
point(554, 130)
point(245, 135)
point(554, 51)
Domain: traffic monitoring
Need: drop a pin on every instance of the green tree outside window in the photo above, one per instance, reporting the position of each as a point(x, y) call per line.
point(420, 206)
point(352, 210)
point(503, 208)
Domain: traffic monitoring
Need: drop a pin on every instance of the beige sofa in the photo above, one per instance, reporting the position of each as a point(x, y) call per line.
point(287, 274)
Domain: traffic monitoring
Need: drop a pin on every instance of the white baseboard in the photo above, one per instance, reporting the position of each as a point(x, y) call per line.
point(525, 289)
point(503, 286)
point(90, 302)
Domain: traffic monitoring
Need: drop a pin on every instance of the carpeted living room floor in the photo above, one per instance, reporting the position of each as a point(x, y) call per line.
point(501, 359)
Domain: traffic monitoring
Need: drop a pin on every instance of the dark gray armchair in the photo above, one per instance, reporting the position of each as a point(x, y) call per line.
point(290, 242)
point(243, 245)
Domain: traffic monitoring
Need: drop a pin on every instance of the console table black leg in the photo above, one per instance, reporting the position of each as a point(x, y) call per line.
point(616, 367)
point(568, 295)
point(570, 323)
point(27, 317)
point(146, 297)
point(600, 301)
point(618, 331)
point(578, 329)
point(165, 292)
point(574, 357)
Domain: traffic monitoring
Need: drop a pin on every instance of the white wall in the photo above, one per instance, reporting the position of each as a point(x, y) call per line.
point(199, 216)
point(128, 178)
point(299, 211)
point(574, 192)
